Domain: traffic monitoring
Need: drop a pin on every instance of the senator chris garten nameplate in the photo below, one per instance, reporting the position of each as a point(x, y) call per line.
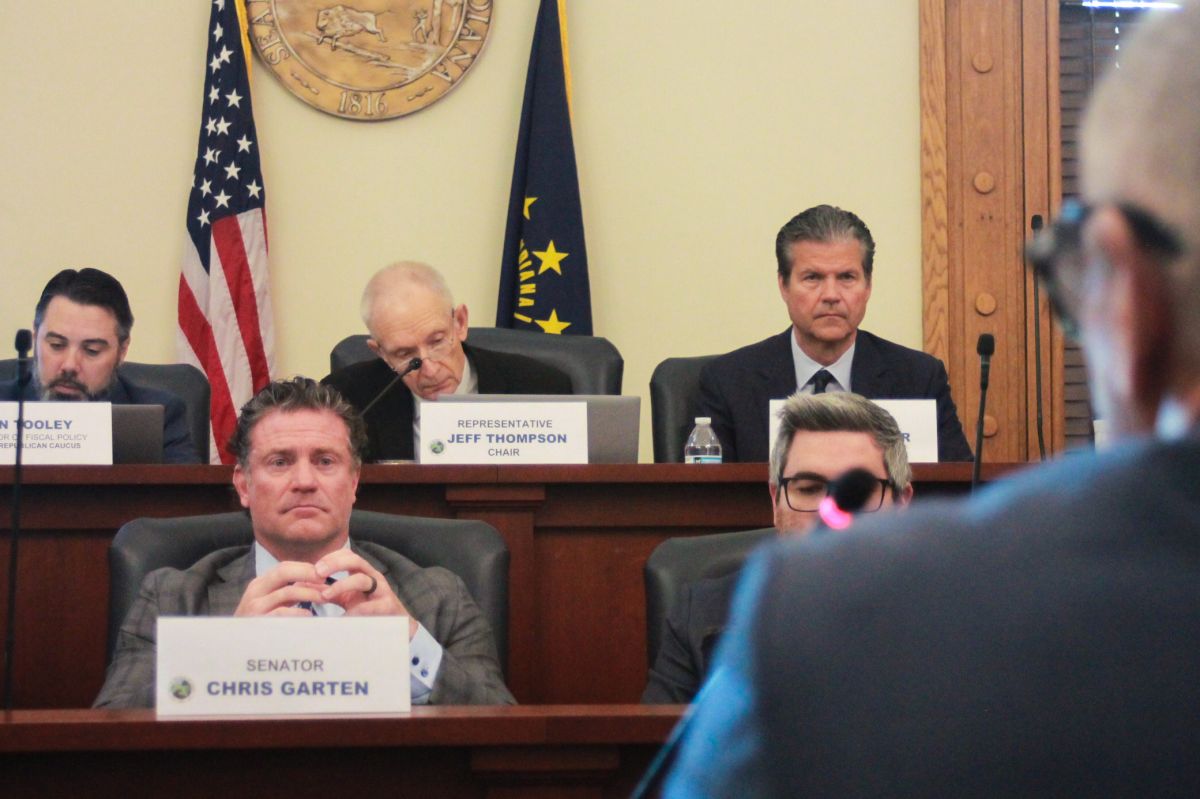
point(223, 666)
point(503, 432)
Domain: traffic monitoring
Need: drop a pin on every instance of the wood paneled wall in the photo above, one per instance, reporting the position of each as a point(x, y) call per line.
point(989, 163)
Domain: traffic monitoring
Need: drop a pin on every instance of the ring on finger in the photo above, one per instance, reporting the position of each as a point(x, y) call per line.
point(374, 585)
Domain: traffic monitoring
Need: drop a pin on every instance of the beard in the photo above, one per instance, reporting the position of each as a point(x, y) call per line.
point(51, 392)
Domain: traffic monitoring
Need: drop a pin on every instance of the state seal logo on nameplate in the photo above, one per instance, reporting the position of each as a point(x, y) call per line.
point(369, 59)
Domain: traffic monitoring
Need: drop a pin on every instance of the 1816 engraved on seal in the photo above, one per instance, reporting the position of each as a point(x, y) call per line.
point(375, 59)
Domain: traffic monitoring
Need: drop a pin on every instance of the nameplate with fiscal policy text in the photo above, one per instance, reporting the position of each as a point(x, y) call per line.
point(266, 666)
point(78, 433)
point(503, 432)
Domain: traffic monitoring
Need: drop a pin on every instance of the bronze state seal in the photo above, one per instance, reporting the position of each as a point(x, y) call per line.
point(375, 59)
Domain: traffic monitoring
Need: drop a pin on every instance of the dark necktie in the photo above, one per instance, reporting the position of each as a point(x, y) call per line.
point(820, 380)
point(308, 605)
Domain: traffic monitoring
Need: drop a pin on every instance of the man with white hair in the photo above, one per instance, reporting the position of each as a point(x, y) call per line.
point(410, 313)
point(1042, 638)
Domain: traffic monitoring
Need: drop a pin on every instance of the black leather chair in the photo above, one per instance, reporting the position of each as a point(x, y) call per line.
point(678, 561)
point(592, 362)
point(181, 379)
point(674, 404)
point(471, 549)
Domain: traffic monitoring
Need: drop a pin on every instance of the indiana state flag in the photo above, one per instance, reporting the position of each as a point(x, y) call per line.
point(544, 274)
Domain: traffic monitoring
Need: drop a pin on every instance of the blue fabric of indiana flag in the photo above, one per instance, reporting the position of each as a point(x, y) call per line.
point(544, 274)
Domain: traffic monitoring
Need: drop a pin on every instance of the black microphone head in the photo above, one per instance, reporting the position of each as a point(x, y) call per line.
point(1036, 223)
point(413, 365)
point(24, 342)
point(986, 344)
point(852, 490)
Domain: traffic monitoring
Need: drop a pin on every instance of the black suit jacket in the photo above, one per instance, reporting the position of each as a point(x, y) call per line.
point(689, 640)
point(736, 389)
point(1042, 639)
point(177, 440)
point(390, 422)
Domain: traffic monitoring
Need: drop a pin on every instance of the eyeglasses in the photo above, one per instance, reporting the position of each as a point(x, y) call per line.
point(1056, 254)
point(437, 351)
point(805, 490)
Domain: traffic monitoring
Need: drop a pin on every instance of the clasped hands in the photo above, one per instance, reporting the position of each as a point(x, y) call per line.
point(364, 592)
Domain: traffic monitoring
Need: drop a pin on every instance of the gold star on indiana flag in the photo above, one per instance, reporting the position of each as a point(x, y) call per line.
point(552, 325)
point(528, 202)
point(550, 258)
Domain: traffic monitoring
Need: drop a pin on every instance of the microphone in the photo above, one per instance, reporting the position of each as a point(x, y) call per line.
point(847, 495)
point(412, 366)
point(23, 344)
point(986, 346)
point(1035, 223)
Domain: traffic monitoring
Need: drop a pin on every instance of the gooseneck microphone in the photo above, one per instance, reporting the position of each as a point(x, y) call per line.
point(23, 344)
point(986, 346)
point(847, 495)
point(412, 366)
point(1035, 224)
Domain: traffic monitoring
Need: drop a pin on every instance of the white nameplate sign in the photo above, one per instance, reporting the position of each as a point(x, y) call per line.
point(58, 433)
point(503, 432)
point(224, 666)
point(917, 419)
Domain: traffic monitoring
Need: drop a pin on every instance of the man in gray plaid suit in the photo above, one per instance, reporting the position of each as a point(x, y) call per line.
point(299, 448)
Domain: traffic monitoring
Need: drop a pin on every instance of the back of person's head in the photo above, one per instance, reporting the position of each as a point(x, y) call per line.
point(1141, 147)
point(390, 284)
point(297, 394)
point(88, 287)
point(823, 224)
point(841, 411)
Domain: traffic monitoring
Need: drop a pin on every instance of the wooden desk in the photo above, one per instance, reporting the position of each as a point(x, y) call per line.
point(576, 751)
point(579, 537)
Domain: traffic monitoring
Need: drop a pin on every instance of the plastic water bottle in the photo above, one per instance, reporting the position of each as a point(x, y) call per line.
point(702, 446)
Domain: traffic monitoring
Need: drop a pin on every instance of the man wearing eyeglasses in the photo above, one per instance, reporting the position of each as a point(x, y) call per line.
point(1042, 639)
point(820, 438)
point(410, 313)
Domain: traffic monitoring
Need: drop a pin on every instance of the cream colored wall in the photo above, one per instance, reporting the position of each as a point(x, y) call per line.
point(698, 133)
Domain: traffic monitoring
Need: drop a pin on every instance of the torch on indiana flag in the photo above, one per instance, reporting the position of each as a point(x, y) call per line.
point(544, 273)
point(225, 325)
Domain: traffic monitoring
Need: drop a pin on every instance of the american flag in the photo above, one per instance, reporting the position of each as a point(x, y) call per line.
point(225, 324)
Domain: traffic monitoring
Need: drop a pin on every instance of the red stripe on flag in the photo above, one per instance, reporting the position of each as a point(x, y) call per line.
point(200, 338)
point(231, 249)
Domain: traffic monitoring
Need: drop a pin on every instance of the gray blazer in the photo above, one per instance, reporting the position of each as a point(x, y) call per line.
point(469, 674)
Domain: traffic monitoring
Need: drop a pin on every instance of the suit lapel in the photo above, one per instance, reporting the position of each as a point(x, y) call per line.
point(868, 370)
point(225, 594)
point(777, 369)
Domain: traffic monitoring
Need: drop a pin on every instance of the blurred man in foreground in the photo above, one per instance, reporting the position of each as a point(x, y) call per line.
point(1041, 639)
point(821, 437)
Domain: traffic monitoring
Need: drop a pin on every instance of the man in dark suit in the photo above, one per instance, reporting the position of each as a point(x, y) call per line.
point(825, 260)
point(298, 448)
point(1040, 639)
point(81, 328)
point(820, 437)
point(410, 313)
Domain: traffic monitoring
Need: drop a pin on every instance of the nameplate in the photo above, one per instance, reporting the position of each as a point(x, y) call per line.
point(263, 666)
point(503, 432)
point(916, 418)
point(58, 433)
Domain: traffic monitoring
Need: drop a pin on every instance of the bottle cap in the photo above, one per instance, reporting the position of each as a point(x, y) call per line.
point(703, 420)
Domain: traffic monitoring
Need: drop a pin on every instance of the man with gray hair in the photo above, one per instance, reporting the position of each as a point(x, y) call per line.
point(1040, 639)
point(410, 314)
point(825, 257)
point(820, 438)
